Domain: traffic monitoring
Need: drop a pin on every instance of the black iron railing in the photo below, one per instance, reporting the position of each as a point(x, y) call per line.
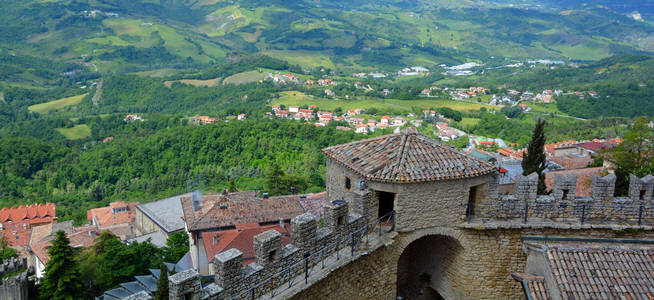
point(340, 249)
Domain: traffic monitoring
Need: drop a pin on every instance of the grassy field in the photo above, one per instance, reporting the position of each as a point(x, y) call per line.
point(75, 133)
point(298, 99)
point(469, 122)
point(546, 108)
point(158, 72)
point(245, 77)
point(196, 82)
point(43, 108)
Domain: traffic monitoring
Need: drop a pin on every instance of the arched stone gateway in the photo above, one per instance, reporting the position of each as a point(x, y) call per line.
point(426, 269)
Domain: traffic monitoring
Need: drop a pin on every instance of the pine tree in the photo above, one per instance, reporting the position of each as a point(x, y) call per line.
point(274, 178)
point(534, 160)
point(62, 280)
point(232, 186)
point(162, 284)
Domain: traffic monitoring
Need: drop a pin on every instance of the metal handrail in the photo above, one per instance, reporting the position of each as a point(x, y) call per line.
point(331, 254)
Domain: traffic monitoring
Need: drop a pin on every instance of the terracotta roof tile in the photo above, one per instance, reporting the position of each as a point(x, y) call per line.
point(17, 222)
point(407, 157)
point(240, 238)
point(104, 216)
point(212, 212)
point(534, 286)
point(31, 212)
point(314, 203)
point(82, 238)
point(599, 271)
point(584, 179)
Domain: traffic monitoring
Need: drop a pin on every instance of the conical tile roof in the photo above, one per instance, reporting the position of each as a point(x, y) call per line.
point(407, 157)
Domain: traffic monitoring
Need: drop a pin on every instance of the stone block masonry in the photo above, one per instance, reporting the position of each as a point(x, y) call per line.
point(456, 238)
point(18, 286)
point(233, 280)
point(184, 286)
point(564, 206)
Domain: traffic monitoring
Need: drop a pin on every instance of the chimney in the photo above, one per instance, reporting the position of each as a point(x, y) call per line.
point(196, 200)
point(265, 196)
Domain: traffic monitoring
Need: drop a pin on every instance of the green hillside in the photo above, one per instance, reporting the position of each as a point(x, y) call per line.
point(137, 36)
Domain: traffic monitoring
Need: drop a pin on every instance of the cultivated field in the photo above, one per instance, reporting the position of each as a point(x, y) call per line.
point(75, 133)
point(46, 107)
point(196, 82)
point(245, 77)
point(299, 99)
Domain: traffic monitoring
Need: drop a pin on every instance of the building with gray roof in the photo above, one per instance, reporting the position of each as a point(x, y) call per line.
point(163, 215)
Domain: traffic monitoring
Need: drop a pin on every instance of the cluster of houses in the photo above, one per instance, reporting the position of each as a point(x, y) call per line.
point(204, 120)
point(413, 71)
point(359, 124)
point(461, 94)
point(31, 229)
point(447, 133)
point(98, 13)
point(563, 158)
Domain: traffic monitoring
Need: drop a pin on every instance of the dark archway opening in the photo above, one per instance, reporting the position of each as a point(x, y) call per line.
point(427, 269)
point(386, 203)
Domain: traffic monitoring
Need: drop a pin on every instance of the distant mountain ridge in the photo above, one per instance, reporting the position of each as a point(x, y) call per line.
point(129, 36)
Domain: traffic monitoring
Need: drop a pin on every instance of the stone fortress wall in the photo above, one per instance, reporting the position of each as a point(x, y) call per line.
point(563, 205)
point(15, 287)
point(468, 250)
point(232, 279)
point(475, 257)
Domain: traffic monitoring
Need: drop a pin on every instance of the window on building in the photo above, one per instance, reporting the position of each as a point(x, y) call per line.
point(642, 195)
point(271, 255)
point(340, 220)
point(565, 193)
point(348, 183)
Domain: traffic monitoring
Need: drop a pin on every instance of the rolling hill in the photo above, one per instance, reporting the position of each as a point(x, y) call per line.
point(110, 36)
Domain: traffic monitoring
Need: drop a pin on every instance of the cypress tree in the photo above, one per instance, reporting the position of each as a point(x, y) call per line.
point(162, 284)
point(61, 280)
point(534, 160)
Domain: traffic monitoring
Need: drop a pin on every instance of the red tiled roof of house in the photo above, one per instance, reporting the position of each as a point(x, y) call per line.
point(407, 156)
point(212, 212)
point(535, 286)
point(104, 216)
point(17, 222)
point(81, 238)
point(313, 203)
point(603, 271)
point(594, 146)
point(39, 233)
point(34, 212)
point(584, 179)
point(240, 238)
point(570, 162)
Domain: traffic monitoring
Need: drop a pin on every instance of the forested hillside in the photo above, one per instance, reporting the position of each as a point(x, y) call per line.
point(144, 163)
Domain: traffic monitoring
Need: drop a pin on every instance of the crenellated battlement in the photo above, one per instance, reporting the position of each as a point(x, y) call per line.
point(12, 264)
point(273, 263)
point(564, 205)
